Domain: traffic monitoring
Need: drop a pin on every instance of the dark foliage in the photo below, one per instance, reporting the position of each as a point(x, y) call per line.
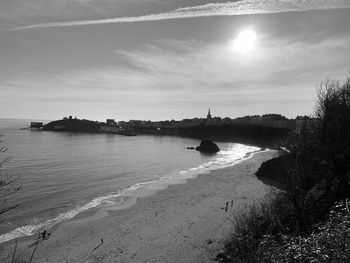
point(276, 169)
point(253, 224)
point(328, 241)
point(333, 108)
point(314, 176)
point(256, 132)
point(72, 125)
point(238, 132)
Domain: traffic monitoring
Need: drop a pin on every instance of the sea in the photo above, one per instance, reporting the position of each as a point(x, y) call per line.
point(61, 175)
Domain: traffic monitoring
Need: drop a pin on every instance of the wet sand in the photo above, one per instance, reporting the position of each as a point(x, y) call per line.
point(183, 223)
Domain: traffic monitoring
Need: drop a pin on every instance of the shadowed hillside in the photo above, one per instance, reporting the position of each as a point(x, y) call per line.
point(72, 125)
point(308, 219)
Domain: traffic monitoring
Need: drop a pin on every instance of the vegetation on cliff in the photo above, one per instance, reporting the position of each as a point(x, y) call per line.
point(72, 125)
point(308, 220)
point(238, 131)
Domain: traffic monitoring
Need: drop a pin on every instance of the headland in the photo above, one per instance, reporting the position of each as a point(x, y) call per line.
point(267, 130)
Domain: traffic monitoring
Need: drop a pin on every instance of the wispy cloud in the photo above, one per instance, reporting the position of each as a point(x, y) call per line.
point(242, 7)
point(279, 76)
point(195, 70)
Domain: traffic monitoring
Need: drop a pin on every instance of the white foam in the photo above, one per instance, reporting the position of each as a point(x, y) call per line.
point(234, 154)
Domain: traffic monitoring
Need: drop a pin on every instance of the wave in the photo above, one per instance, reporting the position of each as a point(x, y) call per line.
point(233, 155)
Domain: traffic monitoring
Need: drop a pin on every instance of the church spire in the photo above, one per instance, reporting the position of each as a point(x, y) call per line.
point(209, 115)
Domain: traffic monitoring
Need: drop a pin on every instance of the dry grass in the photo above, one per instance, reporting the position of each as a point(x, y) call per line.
point(264, 233)
point(252, 224)
point(328, 242)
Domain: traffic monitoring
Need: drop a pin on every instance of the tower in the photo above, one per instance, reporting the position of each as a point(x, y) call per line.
point(209, 115)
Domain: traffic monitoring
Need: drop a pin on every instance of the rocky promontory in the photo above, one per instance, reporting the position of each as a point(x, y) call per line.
point(72, 125)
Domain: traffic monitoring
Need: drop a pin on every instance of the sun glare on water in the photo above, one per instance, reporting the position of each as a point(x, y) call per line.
point(245, 41)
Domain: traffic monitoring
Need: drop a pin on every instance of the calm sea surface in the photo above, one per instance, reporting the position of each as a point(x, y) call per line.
point(64, 174)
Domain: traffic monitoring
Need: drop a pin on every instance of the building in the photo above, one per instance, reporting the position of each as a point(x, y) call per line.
point(209, 115)
point(36, 125)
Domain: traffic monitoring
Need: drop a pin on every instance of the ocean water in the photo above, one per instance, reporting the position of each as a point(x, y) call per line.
point(64, 174)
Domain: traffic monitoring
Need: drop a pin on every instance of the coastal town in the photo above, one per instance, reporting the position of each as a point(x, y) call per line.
point(275, 121)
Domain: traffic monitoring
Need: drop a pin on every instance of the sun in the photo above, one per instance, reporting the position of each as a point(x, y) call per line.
point(245, 41)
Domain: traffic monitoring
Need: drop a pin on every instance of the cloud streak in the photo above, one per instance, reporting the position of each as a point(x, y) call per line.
point(233, 8)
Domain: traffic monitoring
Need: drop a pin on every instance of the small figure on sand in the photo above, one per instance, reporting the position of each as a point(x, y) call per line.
point(45, 235)
point(226, 206)
point(42, 236)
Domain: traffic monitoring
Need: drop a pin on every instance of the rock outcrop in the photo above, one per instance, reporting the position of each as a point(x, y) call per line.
point(207, 146)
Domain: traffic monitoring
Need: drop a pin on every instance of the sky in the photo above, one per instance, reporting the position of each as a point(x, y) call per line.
point(168, 59)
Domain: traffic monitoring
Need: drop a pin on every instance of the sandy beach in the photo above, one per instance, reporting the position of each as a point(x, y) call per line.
point(182, 223)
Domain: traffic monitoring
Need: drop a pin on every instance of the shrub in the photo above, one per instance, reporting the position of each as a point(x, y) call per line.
point(254, 222)
point(328, 242)
point(287, 228)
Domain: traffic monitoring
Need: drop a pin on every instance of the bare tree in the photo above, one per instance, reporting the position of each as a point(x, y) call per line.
point(333, 109)
point(321, 173)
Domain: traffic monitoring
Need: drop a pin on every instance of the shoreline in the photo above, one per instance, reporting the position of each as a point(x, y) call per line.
point(250, 141)
point(123, 199)
point(85, 230)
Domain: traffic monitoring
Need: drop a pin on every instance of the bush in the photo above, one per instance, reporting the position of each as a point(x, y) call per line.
point(333, 109)
point(328, 242)
point(253, 223)
point(292, 226)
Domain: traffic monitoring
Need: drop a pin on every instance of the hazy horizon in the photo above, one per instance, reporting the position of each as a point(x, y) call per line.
point(163, 60)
